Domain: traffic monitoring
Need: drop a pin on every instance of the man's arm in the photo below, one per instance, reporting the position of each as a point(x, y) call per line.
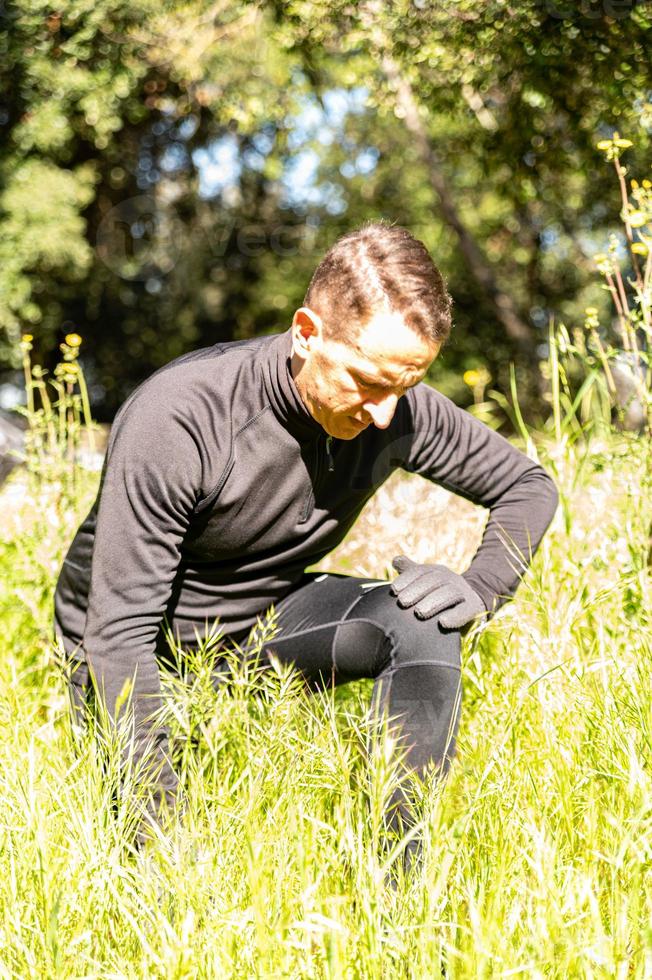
point(151, 482)
point(452, 448)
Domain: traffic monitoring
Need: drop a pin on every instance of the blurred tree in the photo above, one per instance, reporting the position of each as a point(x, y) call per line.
point(501, 105)
point(171, 173)
point(100, 200)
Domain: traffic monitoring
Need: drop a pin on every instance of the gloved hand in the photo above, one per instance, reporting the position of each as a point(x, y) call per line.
point(435, 588)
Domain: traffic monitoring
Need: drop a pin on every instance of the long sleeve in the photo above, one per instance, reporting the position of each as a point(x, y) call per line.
point(150, 484)
point(453, 449)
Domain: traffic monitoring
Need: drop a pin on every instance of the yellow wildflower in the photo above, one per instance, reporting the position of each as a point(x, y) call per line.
point(623, 144)
point(591, 311)
point(73, 339)
point(476, 376)
point(604, 145)
point(471, 378)
point(637, 219)
point(647, 184)
point(639, 248)
point(27, 338)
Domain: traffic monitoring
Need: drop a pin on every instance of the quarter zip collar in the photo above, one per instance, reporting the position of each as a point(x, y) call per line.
point(284, 397)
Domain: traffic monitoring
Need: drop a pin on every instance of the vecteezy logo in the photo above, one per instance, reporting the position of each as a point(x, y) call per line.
point(138, 239)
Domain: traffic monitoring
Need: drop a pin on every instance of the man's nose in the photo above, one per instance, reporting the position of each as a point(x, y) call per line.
point(382, 412)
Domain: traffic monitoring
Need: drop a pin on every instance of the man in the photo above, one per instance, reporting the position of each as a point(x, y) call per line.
point(234, 467)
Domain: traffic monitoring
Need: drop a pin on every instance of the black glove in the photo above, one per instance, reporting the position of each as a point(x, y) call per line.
point(436, 588)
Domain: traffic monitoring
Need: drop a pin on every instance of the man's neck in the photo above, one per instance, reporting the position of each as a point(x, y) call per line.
point(296, 365)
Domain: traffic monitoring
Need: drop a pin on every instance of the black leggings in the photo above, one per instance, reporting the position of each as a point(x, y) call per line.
point(337, 628)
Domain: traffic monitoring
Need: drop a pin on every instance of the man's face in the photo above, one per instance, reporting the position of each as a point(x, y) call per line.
point(347, 386)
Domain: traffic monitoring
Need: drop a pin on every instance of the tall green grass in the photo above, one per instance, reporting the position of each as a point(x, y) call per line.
point(538, 846)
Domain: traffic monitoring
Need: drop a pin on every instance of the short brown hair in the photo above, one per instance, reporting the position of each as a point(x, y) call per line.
point(379, 266)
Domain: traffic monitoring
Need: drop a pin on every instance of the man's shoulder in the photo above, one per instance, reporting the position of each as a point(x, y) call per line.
point(202, 376)
point(426, 394)
point(206, 362)
point(226, 348)
point(427, 405)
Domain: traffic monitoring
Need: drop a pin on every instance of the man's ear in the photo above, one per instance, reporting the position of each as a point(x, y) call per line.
point(306, 327)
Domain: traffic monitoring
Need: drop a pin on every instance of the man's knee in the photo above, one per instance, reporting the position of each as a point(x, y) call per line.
point(396, 635)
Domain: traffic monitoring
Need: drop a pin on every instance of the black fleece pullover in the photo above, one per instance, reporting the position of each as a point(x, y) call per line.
point(219, 488)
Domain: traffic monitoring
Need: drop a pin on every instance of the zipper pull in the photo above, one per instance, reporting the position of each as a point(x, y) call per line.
point(331, 463)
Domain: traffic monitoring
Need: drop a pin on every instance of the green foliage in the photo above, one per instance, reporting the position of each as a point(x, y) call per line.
point(104, 228)
point(67, 85)
point(42, 229)
point(83, 86)
point(594, 351)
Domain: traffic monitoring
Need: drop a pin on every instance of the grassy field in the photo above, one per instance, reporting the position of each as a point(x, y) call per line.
point(538, 847)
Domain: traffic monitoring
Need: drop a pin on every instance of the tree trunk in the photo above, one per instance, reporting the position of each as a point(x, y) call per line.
point(522, 333)
point(476, 261)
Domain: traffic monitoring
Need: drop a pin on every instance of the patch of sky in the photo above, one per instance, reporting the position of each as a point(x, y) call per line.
point(539, 316)
point(364, 163)
point(11, 394)
point(188, 127)
point(554, 239)
point(253, 160)
point(220, 163)
point(324, 124)
point(549, 238)
point(174, 157)
point(263, 140)
point(593, 243)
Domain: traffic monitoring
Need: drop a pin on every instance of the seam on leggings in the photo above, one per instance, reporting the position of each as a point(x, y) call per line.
point(362, 620)
point(319, 626)
point(421, 663)
point(359, 597)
